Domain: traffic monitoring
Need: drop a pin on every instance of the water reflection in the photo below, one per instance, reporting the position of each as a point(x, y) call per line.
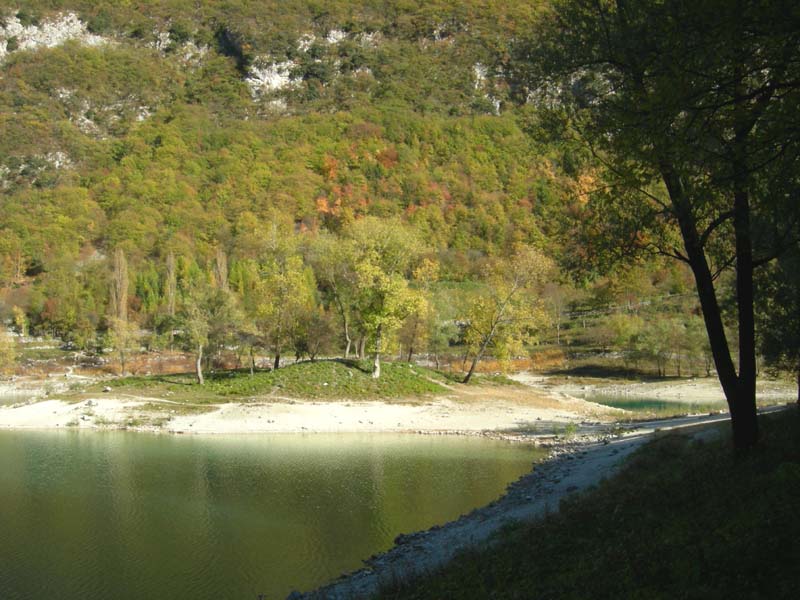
point(122, 515)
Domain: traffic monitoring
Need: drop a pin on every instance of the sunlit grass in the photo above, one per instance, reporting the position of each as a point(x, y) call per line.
point(324, 379)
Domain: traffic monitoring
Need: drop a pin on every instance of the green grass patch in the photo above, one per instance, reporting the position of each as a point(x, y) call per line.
point(683, 519)
point(451, 377)
point(323, 380)
point(42, 352)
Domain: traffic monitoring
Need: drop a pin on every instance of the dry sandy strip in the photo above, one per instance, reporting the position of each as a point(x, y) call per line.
point(696, 389)
point(493, 412)
point(571, 468)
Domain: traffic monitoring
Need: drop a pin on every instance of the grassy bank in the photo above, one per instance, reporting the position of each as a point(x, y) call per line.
point(319, 380)
point(682, 520)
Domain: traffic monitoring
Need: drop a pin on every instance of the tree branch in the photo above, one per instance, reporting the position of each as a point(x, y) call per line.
point(721, 218)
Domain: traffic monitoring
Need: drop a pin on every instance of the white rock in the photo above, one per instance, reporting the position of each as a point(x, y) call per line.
point(47, 34)
point(264, 78)
point(335, 36)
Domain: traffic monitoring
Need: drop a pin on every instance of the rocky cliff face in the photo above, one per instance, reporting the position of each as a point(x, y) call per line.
point(15, 36)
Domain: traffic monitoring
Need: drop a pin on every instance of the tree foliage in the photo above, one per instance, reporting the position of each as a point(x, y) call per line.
point(508, 309)
point(690, 108)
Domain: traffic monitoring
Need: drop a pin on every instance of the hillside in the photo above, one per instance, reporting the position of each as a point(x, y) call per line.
point(160, 158)
point(168, 135)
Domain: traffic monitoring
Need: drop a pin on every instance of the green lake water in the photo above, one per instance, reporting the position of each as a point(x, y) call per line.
point(655, 406)
point(116, 515)
point(660, 408)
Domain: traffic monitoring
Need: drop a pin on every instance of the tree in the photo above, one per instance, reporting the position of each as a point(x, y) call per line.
point(8, 355)
point(123, 337)
point(416, 329)
point(500, 316)
point(20, 320)
point(624, 331)
point(333, 260)
point(246, 285)
point(778, 315)
point(195, 320)
point(170, 296)
point(440, 337)
point(692, 109)
point(385, 300)
point(119, 286)
point(285, 294)
point(313, 334)
point(385, 251)
point(558, 297)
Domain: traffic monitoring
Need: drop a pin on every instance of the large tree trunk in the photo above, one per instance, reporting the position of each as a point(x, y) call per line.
point(743, 410)
point(252, 362)
point(198, 365)
point(376, 364)
point(739, 394)
point(277, 364)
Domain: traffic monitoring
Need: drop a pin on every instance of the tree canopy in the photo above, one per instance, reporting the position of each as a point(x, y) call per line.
point(690, 110)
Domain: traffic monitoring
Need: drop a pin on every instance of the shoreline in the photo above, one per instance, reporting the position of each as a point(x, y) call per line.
point(532, 496)
point(538, 407)
point(571, 468)
point(468, 410)
point(588, 442)
point(437, 416)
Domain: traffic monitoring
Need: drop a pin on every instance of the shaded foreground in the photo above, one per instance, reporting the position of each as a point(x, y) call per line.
point(684, 518)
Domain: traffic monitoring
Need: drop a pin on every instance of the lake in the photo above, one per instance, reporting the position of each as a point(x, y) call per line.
point(661, 408)
point(656, 407)
point(126, 515)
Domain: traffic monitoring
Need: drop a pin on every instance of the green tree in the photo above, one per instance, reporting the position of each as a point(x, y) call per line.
point(314, 334)
point(385, 252)
point(286, 294)
point(385, 300)
point(333, 260)
point(624, 333)
point(415, 331)
point(195, 319)
point(779, 315)
point(691, 107)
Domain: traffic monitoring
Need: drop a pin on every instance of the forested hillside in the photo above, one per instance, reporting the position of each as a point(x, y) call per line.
point(302, 177)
